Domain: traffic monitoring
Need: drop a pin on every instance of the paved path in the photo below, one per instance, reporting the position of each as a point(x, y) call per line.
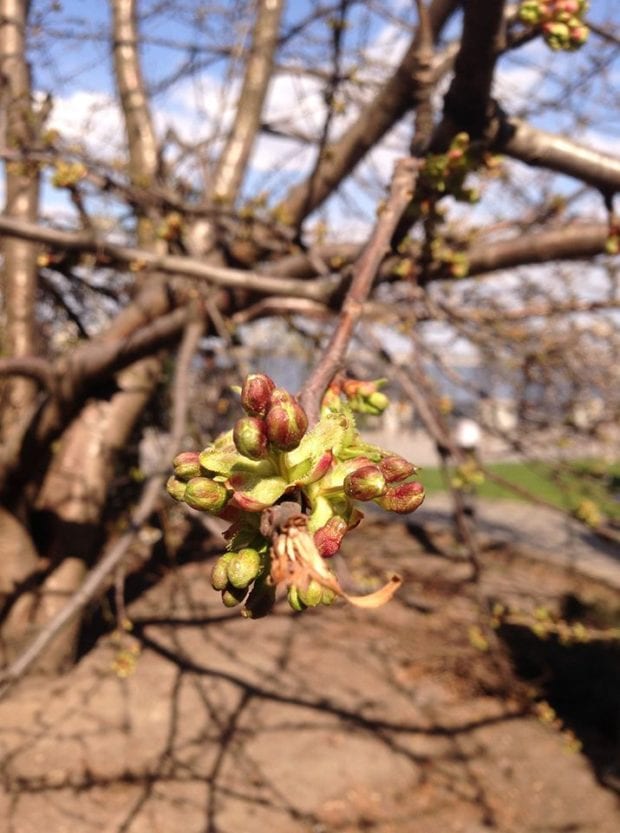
point(558, 538)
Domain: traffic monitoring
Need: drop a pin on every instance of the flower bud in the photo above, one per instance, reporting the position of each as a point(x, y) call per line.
point(243, 567)
point(203, 493)
point(329, 537)
point(256, 394)
point(233, 596)
point(328, 597)
point(293, 599)
point(402, 498)
point(176, 488)
point(365, 483)
point(186, 465)
point(579, 35)
point(378, 401)
point(250, 437)
point(311, 595)
point(219, 573)
point(395, 468)
point(286, 424)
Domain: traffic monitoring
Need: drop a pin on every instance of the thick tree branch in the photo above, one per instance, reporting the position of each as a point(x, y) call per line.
point(96, 580)
point(107, 252)
point(557, 153)
point(577, 241)
point(19, 270)
point(466, 104)
point(258, 72)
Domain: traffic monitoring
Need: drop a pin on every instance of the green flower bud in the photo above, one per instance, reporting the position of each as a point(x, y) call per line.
point(312, 595)
point(250, 437)
point(402, 498)
point(378, 401)
point(233, 596)
point(328, 597)
point(286, 424)
point(186, 465)
point(176, 488)
point(243, 567)
point(256, 394)
point(395, 468)
point(293, 599)
point(208, 495)
point(219, 572)
point(365, 483)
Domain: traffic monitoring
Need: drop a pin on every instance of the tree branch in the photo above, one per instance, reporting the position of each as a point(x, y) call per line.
point(264, 284)
point(364, 273)
point(546, 150)
point(390, 104)
point(258, 72)
point(151, 494)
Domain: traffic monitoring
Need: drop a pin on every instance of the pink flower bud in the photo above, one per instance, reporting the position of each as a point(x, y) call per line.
point(186, 465)
point(208, 495)
point(365, 483)
point(402, 498)
point(256, 394)
point(250, 437)
point(286, 423)
point(395, 468)
point(329, 537)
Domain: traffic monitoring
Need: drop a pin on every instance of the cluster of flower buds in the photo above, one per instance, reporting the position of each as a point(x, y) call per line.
point(444, 173)
point(467, 476)
point(362, 397)
point(269, 458)
point(560, 21)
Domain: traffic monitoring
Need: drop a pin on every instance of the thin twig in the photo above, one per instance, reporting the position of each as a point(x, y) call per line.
point(151, 493)
point(364, 273)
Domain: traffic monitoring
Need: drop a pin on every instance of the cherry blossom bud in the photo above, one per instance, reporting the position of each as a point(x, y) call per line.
point(365, 483)
point(243, 567)
point(203, 493)
point(329, 537)
point(233, 596)
point(250, 437)
point(286, 423)
point(176, 488)
point(311, 595)
point(256, 394)
point(378, 401)
point(186, 465)
point(219, 573)
point(395, 468)
point(402, 498)
point(294, 600)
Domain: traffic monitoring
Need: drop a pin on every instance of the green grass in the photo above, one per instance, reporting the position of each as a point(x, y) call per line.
point(565, 486)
